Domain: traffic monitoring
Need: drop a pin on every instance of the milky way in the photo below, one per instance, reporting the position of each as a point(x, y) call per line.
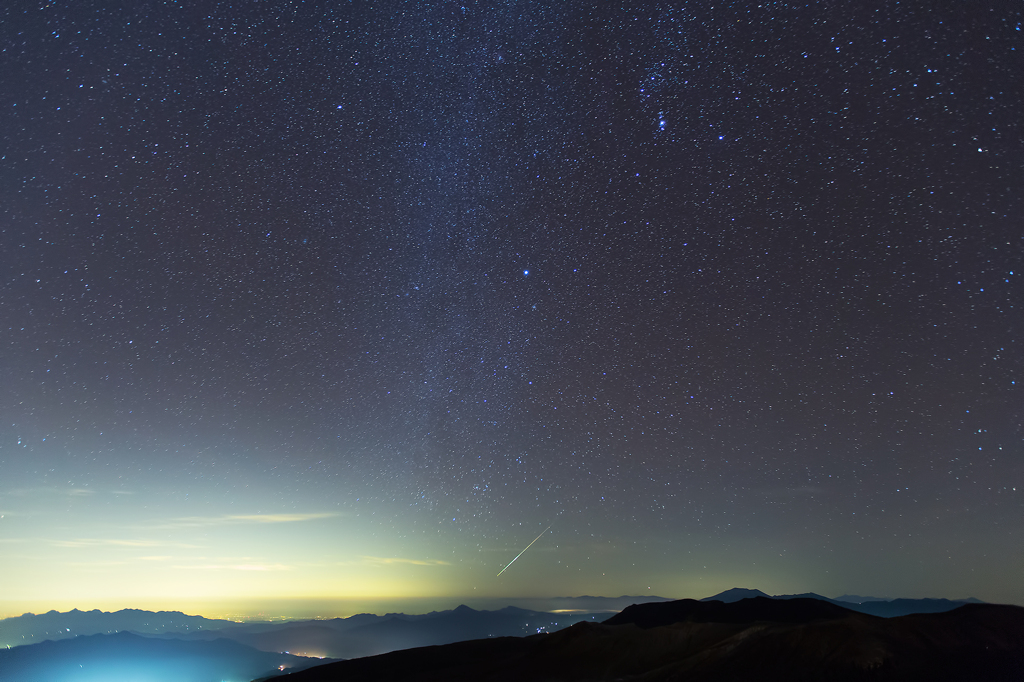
point(373, 292)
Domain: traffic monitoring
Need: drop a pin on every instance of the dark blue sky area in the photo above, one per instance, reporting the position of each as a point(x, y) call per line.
point(724, 294)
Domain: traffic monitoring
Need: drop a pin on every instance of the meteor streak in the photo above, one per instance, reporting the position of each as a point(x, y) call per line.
point(527, 547)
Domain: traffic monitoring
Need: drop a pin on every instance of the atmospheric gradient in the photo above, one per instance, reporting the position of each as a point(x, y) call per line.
point(320, 301)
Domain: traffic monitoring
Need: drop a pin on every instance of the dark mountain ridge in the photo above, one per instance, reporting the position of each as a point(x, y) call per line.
point(735, 594)
point(29, 627)
point(750, 610)
point(367, 636)
point(887, 608)
point(859, 599)
point(766, 640)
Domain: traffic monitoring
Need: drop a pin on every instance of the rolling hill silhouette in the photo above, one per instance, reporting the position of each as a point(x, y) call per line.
point(360, 635)
point(750, 610)
point(886, 608)
point(340, 638)
point(739, 633)
point(764, 639)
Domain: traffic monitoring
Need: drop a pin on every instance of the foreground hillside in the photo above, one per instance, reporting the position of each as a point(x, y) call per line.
point(751, 639)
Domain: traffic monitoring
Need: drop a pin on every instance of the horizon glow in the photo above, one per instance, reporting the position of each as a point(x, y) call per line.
point(311, 307)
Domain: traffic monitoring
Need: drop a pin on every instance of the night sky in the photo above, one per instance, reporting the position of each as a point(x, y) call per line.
point(351, 300)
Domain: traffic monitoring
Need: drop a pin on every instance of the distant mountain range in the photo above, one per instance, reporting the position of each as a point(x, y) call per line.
point(367, 635)
point(87, 637)
point(360, 635)
point(124, 656)
point(584, 603)
point(30, 628)
point(756, 638)
point(886, 608)
point(858, 599)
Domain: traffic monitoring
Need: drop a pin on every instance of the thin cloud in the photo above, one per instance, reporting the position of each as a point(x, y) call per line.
point(376, 560)
point(96, 542)
point(236, 567)
point(280, 518)
point(235, 519)
point(36, 492)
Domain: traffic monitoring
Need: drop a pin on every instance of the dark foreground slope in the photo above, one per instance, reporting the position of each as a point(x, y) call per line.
point(711, 641)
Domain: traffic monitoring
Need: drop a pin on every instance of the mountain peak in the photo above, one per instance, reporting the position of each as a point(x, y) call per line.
point(735, 594)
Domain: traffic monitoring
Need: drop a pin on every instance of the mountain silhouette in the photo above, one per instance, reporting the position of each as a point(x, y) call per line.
point(714, 642)
point(370, 635)
point(858, 599)
point(30, 628)
point(132, 657)
point(901, 607)
point(735, 594)
point(886, 608)
point(751, 610)
point(591, 603)
point(688, 636)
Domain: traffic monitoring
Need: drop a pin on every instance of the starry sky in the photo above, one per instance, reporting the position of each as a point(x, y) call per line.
point(351, 300)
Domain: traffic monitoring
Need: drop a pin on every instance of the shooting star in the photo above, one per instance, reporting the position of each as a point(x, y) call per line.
point(527, 547)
